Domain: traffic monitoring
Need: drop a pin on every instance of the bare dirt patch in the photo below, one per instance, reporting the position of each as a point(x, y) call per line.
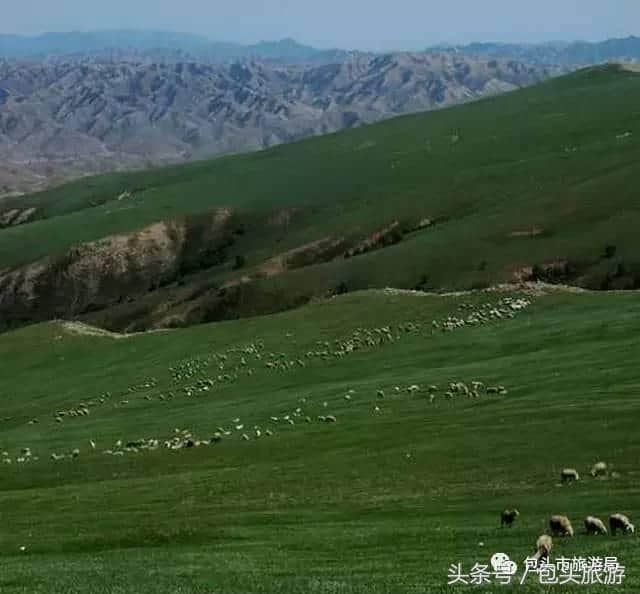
point(375, 240)
point(81, 329)
point(533, 232)
point(283, 217)
point(553, 270)
point(315, 252)
point(630, 67)
point(15, 216)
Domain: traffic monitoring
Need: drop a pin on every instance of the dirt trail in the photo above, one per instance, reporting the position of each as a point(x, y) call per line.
point(530, 288)
point(81, 329)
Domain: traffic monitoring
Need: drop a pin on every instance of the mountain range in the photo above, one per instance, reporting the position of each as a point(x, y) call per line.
point(192, 47)
point(578, 53)
point(77, 103)
point(159, 45)
point(66, 117)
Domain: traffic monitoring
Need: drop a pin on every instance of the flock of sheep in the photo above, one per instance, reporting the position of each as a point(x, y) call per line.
point(193, 377)
point(560, 526)
point(186, 439)
point(507, 307)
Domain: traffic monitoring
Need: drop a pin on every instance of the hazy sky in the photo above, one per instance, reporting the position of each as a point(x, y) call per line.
point(362, 24)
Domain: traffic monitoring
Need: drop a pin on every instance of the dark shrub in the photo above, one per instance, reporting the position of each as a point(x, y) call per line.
point(240, 262)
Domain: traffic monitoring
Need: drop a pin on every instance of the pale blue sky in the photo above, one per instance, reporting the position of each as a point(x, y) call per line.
point(361, 24)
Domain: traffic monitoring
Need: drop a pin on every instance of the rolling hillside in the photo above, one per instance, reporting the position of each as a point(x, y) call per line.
point(534, 184)
point(382, 354)
point(307, 452)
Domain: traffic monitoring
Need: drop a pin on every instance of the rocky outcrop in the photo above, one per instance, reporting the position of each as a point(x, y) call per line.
point(123, 267)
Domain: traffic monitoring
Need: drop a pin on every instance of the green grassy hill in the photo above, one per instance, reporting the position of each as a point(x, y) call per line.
point(384, 499)
point(538, 183)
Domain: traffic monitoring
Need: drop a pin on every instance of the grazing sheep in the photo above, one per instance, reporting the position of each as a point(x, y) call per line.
point(543, 547)
point(594, 525)
point(621, 522)
point(560, 526)
point(508, 517)
point(599, 469)
point(569, 475)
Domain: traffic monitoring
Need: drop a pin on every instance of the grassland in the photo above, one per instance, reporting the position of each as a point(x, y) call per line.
point(537, 183)
point(379, 501)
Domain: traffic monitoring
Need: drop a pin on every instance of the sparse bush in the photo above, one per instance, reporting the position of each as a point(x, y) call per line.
point(394, 236)
point(342, 288)
point(240, 262)
point(423, 285)
point(621, 270)
point(537, 273)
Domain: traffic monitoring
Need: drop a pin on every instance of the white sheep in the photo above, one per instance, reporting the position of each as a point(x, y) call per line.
point(508, 517)
point(560, 526)
point(544, 545)
point(621, 522)
point(599, 469)
point(594, 525)
point(569, 475)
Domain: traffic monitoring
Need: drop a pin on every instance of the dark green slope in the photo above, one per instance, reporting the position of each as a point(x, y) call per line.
point(539, 183)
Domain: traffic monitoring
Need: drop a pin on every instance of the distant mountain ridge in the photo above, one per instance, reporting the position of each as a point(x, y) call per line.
point(158, 44)
point(578, 53)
